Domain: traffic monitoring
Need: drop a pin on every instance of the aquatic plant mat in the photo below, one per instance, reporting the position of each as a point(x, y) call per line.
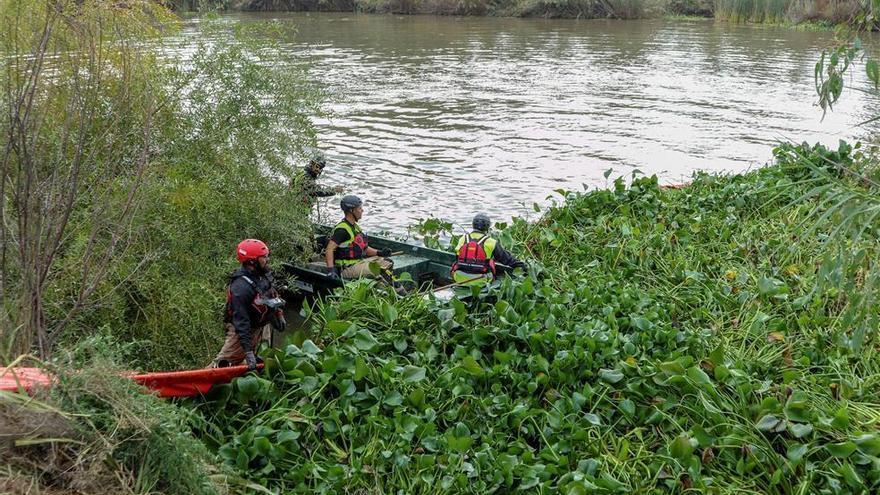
point(710, 339)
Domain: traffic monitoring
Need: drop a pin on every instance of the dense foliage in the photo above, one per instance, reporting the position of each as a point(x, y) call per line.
point(128, 186)
point(665, 340)
point(775, 11)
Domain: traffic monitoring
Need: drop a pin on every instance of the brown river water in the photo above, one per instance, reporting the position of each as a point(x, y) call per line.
point(447, 116)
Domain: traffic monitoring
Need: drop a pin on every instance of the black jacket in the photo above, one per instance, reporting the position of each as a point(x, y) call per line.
point(241, 308)
point(500, 255)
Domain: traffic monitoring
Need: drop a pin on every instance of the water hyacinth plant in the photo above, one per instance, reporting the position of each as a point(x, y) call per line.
point(665, 341)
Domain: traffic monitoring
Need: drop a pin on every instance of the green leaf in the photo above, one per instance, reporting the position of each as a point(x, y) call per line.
point(365, 341)
point(459, 444)
point(850, 476)
point(262, 445)
point(412, 374)
point(393, 399)
point(797, 407)
point(681, 448)
point(389, 313)
point(767, 286)
point(868, 444)
point(375, 269)
point(842, 450)
point(360, 369)
point(796, 452)
point(799, 430)
point(287, 436)
point(249, 387)
point(672, 367)
point(698, 376)
point(471, 365)
point(841, 419)
point(310, 348)
point(770, 423)
point(610, 376)
point(593, 419)
point(641, 323)
point(417, 398)
point(338, 327)
point(873, 71)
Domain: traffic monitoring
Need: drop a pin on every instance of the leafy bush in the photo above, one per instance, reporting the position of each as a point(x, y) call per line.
point(222, 176)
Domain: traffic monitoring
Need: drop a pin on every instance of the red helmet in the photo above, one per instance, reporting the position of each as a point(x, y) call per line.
point(251, 249)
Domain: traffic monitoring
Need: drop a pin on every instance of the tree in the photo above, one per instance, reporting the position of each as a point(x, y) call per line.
point(80, 103)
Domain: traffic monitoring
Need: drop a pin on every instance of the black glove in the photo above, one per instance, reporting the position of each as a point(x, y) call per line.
point(384, 252)
point(277, 320)
point(251, 360)
point(281, 322)
point(333, 274)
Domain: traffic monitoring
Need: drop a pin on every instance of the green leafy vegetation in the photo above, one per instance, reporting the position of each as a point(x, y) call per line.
point(666, 340)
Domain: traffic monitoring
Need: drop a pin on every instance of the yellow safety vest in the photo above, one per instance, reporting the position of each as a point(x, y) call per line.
point(347, 254)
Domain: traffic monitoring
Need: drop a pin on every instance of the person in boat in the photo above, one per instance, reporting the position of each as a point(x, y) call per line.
point(252, 305)
point(311, 173)
point(477, 254)
point(348, 253)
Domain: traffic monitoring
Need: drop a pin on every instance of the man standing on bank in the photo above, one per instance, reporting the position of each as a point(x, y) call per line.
point(252, 304)
point(311, 173)
point(478, 253)
point(348, 253)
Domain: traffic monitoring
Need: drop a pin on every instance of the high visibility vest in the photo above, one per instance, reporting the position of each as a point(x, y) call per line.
point(352, 250)
point(474, 264)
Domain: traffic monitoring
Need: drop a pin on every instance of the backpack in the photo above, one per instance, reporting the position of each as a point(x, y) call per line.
point(472, 257)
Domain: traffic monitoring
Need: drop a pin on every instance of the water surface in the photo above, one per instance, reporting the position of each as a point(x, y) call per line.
point(447, 116)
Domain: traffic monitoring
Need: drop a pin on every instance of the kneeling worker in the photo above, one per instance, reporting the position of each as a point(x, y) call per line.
point(348, 250)
point(478, 253)
point(252, 303)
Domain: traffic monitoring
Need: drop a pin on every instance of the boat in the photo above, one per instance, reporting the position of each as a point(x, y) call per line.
point(429, 269)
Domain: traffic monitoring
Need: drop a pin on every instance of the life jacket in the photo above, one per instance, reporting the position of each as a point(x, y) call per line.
point(353, 250)
point(475, 255)
point(257, 311)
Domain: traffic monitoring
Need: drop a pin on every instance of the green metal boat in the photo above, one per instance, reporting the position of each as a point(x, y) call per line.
point(428, 268)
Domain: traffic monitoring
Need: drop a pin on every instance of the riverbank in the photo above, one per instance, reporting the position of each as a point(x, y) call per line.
point(776, 12)
point(716, 337)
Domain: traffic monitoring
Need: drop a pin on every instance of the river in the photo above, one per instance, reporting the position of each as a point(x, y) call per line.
point(447, 116)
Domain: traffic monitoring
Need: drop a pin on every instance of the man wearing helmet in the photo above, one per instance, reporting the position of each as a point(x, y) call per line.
point(348, 253)
point(311, 172)
point(251, 305)
point(478, 253)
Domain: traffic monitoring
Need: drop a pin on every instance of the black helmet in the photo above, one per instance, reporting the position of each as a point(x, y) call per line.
point(481, 222)
point(318, 160)
point(350, 202)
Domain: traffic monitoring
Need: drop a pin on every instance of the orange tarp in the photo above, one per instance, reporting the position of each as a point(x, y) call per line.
point(187, 383)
